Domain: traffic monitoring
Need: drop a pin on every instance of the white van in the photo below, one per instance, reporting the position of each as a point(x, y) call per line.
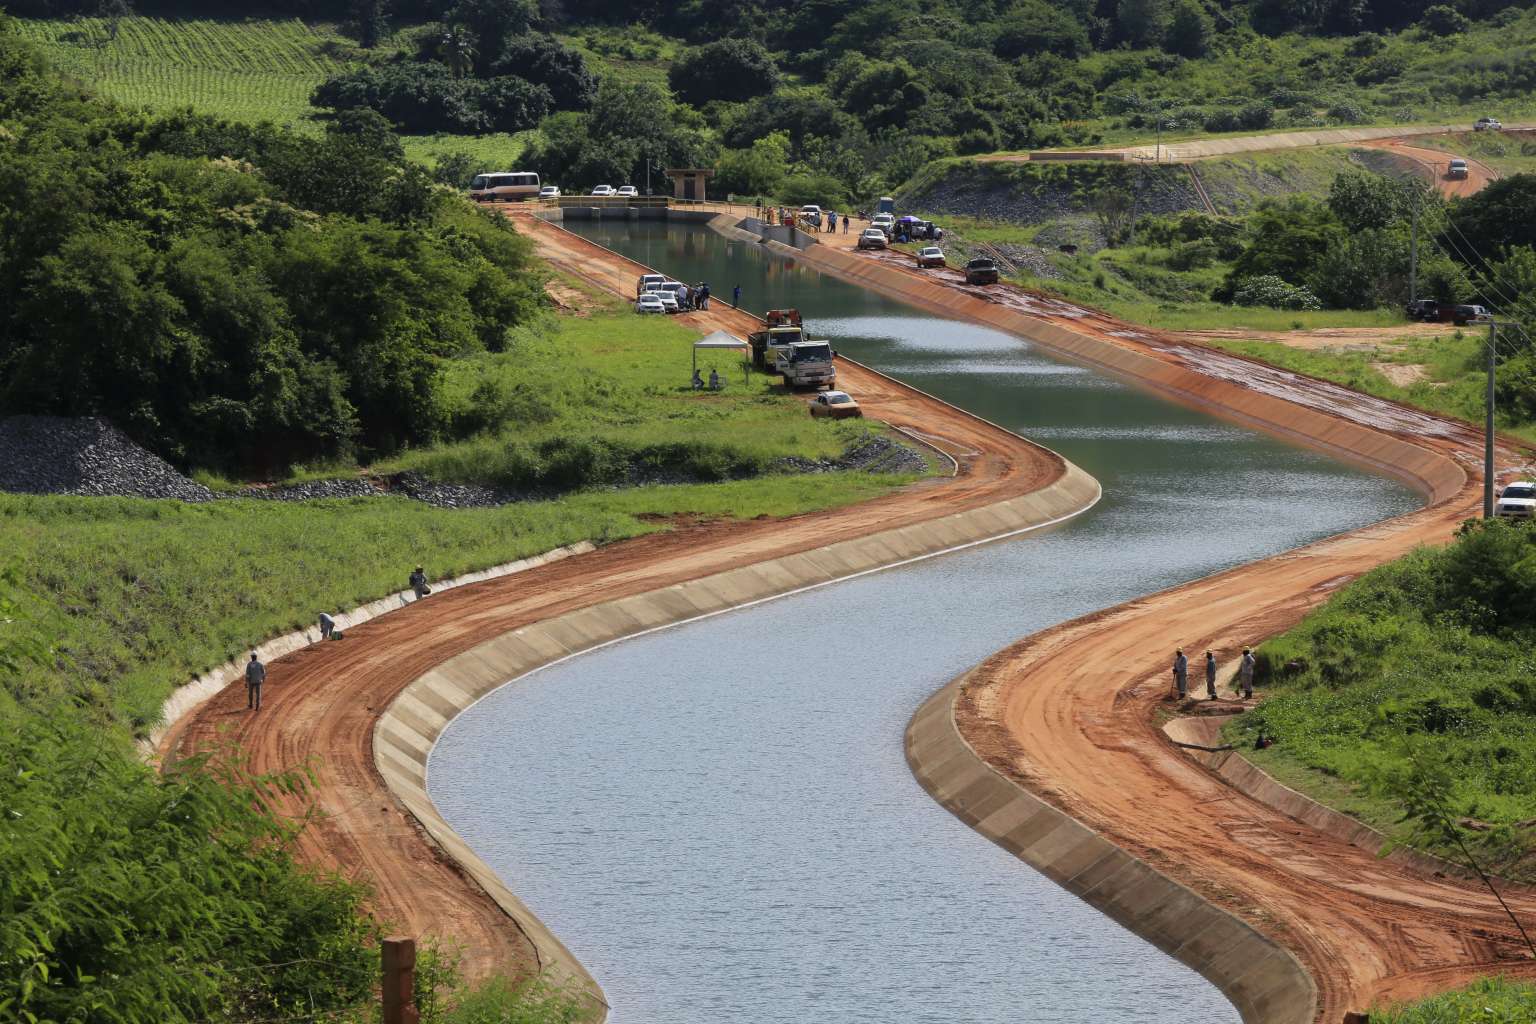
point(504, 186)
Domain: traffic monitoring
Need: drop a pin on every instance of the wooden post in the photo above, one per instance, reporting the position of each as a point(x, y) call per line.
point(399, 957)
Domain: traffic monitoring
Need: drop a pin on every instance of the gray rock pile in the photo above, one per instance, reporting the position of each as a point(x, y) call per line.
point(876, 454)
point(87, 456)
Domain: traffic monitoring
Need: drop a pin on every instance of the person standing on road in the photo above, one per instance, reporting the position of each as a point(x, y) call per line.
point(1210, 675)
point(255, 675)
point(1245, 673)
point(704, 296)
point(845, 224)
point(419, 583)
point(1181, 673)
point(736, 297)
point(327, 625)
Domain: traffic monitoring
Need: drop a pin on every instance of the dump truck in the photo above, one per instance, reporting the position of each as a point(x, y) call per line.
point(783, 328)
point(807, 364)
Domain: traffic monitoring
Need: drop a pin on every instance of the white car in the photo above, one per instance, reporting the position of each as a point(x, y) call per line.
point(1517, 501)
point(930, 256)
point(650, 302)
point(1488, 124)
point(648, 283)
point(668, 300)
point(603, 190)
point(872, 238)
point(627, 191)
point(885, 222)
point(811, 213)
point(549, 192)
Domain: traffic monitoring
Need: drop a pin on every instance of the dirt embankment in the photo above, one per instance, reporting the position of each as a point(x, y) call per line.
point(1070, 714)
point(321, 703)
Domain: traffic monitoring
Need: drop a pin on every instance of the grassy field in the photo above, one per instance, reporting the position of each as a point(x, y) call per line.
point(253, 69)
point(1489, 1001)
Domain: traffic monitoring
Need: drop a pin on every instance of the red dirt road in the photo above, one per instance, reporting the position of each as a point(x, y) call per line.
point(321, 703)
point(1432, 164)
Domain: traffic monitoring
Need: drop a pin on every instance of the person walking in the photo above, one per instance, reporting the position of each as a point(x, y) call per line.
point(704, 296)
point(1181, 673)
point(1245, 673)
point(327, 625)
point(255, 675)
point(736, 297)
point(1210, 675)
point(419, 583)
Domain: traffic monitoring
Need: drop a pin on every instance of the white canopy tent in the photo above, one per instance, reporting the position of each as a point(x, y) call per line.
point(720, 341)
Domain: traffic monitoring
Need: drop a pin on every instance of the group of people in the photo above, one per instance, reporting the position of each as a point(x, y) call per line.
point(256, 672)
point(1244, 680)
point(714, 380)
point(695, 297)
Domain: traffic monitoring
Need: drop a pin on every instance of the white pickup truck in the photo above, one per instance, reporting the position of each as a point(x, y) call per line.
point(806, 364)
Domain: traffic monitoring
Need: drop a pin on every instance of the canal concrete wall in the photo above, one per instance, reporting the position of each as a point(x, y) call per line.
point(406, 732)
point(1262, 979)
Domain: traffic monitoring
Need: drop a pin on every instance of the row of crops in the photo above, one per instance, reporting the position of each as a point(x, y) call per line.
point(252, 69)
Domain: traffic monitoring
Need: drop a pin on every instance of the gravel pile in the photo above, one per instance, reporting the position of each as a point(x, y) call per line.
point(87, 456)
point(443, 495)
point(309, 490)
point(877, 454)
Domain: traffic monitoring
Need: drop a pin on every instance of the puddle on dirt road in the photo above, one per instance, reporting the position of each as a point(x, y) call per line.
point(718, 819)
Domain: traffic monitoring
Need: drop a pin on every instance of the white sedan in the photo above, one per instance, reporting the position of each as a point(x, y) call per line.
point(650, 302)
point(603, 190)
point(549, 192)
point(668, 300)
point(628, 191)
point(1517, 501)
point(872, 238)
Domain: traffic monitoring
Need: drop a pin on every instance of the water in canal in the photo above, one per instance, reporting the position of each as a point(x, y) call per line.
point(718, 819)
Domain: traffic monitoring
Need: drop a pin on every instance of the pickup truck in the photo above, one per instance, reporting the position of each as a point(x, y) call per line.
point(1457, 169)
point(807, 364)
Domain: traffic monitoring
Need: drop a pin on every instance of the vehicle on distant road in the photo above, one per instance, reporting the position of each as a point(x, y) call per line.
point(981, 270)
point(1467, 314)
point(1516, 501)
point(871, 238)
point(930, 256)
point(628, 191)
point(1487, 124)
point(504, 186)
point(549, 192)
point(1457, 169)
point(810, 213)
point(603, 190)
point(835, 405)
point(650, 302)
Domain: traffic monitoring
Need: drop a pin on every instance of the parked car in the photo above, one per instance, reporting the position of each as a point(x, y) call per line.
point(628, 191)
point(1487, 124)
point(650, 302)
point(668, 301)
point(603, 190)
point(884, 221)
point(1427, 310)
point(646, 281)
point(812, 213)
point(871, 238)
point(1470, 315)
point(981, 270)
point(1516, 501)
point(836, 405)
point(549, 192)
point(1457, 169)
point(930, 256)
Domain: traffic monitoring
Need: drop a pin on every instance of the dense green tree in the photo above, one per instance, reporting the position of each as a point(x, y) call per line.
point(758, 171)
point(1500, 216)
point(1287, 238)
point(730, 69)
point(1036, 27)
point(488, 26)
point(1364, 201)
point(544, 60)
point(1142, 22)
point(1189, 30)
point(1444, 20)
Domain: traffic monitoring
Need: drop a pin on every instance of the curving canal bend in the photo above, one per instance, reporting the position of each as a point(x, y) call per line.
point(718, 819)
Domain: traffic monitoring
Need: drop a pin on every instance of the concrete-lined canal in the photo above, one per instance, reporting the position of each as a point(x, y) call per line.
point(718, 819)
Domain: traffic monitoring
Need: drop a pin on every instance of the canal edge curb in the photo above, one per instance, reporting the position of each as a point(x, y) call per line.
point(1263, 979)
point(406, 731)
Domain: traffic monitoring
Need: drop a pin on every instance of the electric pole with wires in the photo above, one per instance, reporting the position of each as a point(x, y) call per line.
point(1493, 361)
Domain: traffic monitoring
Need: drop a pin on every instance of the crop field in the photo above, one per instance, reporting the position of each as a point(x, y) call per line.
point(252, 70)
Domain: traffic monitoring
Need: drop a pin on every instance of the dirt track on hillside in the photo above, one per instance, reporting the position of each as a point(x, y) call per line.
point(321, 703)
point(1432, 164)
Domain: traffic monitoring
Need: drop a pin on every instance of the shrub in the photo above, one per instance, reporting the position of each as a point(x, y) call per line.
point(1348, 112)
point(1275, 293)
point(1444, 20)
point(730, 69)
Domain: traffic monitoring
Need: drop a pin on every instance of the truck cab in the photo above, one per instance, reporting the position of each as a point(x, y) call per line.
point(807, 364)
point(783, 328)
point(886, 205)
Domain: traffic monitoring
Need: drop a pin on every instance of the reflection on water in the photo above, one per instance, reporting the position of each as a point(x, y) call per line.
point(718, 818)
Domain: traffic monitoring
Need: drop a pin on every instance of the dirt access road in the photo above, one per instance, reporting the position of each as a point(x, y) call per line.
point(321, 703)
point(1432, 163)
point(1072, 713)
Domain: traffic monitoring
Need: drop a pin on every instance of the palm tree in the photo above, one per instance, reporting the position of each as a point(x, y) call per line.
point(457, 48)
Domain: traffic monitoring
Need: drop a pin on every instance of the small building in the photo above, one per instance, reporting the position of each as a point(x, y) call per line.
point(688, 182)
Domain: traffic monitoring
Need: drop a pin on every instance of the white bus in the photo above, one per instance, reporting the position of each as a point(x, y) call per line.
point(504, 186)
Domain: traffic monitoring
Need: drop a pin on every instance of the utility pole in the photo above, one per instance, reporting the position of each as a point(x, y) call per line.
point(1493, 340)
point(1413, 252)
point(1159, 138)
